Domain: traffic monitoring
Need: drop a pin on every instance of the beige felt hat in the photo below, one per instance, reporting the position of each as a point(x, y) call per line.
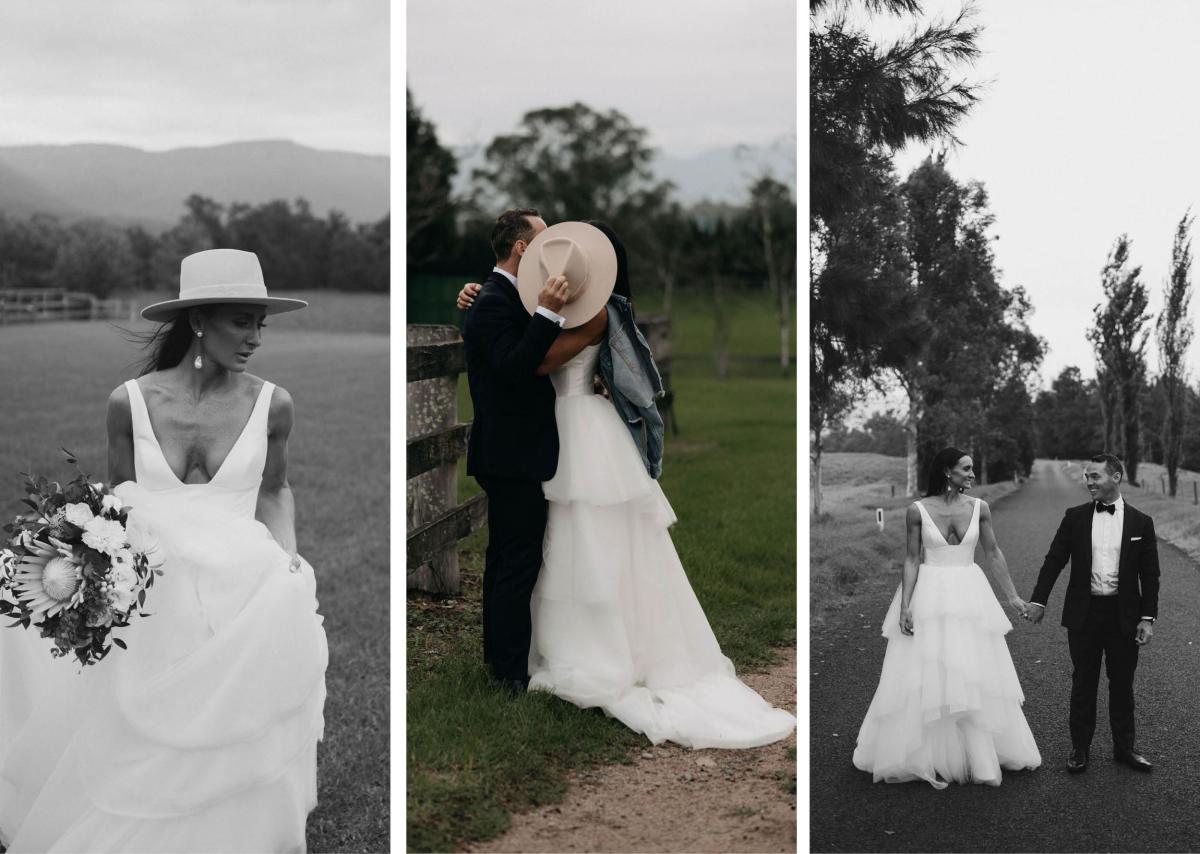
point(220, 276)
point(578, 251)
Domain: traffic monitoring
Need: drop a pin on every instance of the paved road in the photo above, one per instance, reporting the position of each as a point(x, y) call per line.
point(1108, 808)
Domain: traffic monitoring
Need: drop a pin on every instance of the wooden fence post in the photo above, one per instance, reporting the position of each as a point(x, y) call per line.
point(433, 406)
point(657, 330)
point(436, 522)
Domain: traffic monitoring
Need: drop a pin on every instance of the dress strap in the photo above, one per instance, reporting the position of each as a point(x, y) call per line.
point(137, 409)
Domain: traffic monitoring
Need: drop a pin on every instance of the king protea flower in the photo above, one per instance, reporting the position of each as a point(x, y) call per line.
point(48, 579)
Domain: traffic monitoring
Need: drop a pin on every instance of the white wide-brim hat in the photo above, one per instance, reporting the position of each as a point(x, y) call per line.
point(583, 254)
point(220, 276)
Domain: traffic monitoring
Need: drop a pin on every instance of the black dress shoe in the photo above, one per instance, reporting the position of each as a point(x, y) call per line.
point(1078, 760)
point(1133, 759)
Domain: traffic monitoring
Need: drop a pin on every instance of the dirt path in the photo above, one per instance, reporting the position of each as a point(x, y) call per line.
point(672, 799)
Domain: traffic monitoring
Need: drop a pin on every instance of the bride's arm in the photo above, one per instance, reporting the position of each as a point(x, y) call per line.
point(276, 508)
point(570, 342)
point(987, 537)
point(912, 564)
point(119, 421)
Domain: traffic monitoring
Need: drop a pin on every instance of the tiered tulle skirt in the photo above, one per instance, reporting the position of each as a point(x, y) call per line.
point(201, 737)
point(948, 705)
point(615, 622)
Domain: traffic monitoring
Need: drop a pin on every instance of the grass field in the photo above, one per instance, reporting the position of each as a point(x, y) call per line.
point(475, 756)
point(55, 382)
point(848, 554)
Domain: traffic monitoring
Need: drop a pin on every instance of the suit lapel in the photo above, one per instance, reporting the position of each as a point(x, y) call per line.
point(1126, 532)
point(1085, 538)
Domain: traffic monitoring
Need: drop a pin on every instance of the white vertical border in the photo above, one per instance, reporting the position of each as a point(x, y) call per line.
point(399, 515)
point(803, 573)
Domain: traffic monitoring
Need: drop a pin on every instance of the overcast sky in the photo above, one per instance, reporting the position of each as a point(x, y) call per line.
point(160, 74)
point(1088, 128)
point(697, 75)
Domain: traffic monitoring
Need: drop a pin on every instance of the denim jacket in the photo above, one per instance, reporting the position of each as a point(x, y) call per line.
point(633, 381)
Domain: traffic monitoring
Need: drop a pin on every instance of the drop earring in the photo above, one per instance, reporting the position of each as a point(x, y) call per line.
point(198, 362)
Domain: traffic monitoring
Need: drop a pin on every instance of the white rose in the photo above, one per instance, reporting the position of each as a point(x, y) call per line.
point(124, 591)
point(111, 504)
point(104, 535)
point(78, 514)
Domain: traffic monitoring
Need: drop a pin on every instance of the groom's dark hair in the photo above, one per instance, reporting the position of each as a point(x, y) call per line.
point(511, 226)
point(1111, 464)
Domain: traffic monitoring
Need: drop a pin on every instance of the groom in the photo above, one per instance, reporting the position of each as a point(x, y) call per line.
point(513, 445)
point(1110, 606)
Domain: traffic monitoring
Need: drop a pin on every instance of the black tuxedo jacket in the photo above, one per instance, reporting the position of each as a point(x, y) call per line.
point(1137, 570)
point(514, 435)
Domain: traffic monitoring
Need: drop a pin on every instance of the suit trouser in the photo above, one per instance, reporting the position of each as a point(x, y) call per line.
point(1101, 637)
point(517, 512)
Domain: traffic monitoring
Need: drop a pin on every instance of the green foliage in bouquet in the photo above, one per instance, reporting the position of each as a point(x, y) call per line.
point(75, 567)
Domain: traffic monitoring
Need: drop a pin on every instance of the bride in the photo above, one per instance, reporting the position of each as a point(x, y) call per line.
point(615, 623)
point(948, 704)
point(202, 735)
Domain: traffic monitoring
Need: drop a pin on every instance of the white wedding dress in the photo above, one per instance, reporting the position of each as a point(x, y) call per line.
point(948, 704)
point(615, 621)
point(202, 735)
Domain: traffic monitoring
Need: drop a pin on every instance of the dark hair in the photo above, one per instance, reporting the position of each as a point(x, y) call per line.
point(511, 226)
point(1112, 464)
point(946, 459)
point(622, 285)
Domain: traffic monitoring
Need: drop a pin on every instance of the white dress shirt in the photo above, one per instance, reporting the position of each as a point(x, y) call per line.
point(541, 309)
point(1106, 549)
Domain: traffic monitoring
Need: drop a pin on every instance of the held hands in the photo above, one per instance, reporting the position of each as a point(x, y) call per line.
point(906, 621)
point(555, 293)
point(1020, 607)
point(467, 295)
point(1145, 631)
point(1035, 612)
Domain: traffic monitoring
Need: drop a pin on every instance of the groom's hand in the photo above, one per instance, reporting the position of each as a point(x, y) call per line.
point(1036, 612)
point(554, 294)
point(1145, 631)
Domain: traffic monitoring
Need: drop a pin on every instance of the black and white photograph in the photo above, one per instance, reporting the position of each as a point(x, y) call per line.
point(194, 426)
point(601, 426)
point(1004, 426)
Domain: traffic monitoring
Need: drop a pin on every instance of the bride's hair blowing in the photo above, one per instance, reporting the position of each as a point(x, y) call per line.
point(946, 458)
point(168, 344)
point(622, 284)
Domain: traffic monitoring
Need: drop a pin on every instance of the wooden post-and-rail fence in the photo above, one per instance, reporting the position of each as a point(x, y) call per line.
point(436, 521)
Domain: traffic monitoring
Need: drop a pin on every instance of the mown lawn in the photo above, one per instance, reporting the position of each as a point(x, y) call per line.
point(474, 755)
point(53, 387)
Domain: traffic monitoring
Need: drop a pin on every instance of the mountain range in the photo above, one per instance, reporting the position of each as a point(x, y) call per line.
point(131, 186)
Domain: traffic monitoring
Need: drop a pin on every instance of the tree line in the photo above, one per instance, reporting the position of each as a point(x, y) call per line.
point(297, 249)
point(579, 163)
point(904, 290)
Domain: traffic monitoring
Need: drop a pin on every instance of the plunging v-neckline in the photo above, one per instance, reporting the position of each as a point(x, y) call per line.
point(946, 539)
point(228, 454)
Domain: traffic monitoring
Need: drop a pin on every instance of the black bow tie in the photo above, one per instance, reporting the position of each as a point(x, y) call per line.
point(1106, 508)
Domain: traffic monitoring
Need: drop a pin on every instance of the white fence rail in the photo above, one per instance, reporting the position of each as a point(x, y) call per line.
point(36, 305)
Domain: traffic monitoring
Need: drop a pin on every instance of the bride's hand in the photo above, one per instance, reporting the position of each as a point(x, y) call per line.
point(1020, 607)
point(467, 295)
point(906, 621)
point(294, 564)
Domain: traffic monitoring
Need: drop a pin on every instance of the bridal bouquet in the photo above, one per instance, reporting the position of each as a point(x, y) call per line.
point(74, 568)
